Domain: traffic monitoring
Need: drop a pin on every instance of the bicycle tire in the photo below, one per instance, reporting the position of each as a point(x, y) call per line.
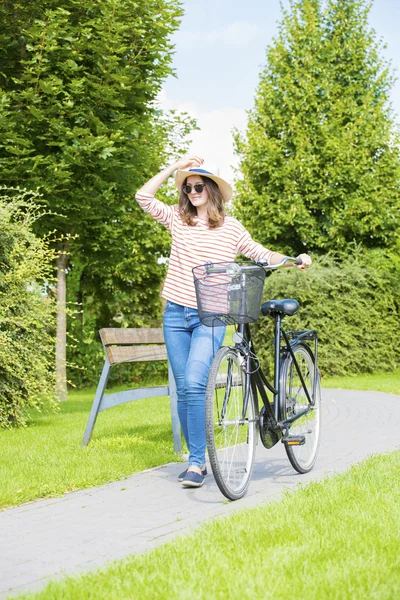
point(231, 440)
point(293, 399)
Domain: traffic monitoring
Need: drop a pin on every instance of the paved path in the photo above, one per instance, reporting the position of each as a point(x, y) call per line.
point(83, 530)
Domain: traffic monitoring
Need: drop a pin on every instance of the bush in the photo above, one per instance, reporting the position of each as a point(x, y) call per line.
point(27, 313)
point(353, 304)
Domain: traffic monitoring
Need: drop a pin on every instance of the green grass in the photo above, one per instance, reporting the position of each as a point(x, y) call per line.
point(378, 382)
point(47, 459)
point(335, 539)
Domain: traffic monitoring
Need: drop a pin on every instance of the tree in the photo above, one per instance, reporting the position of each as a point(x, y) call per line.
point(320, 157)
point(78, 122)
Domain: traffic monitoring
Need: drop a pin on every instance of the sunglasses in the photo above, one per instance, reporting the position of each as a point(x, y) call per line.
point(199, 187)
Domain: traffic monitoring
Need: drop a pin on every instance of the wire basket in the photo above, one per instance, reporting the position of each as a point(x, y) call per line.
point(228, 293)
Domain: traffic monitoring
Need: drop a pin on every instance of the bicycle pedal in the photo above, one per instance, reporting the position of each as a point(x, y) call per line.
point(295, 440)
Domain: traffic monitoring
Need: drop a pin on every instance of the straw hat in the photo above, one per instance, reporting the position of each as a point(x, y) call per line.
point(205, 171)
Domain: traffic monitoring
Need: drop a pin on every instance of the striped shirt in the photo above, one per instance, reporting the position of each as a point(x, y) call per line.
point(196, 245)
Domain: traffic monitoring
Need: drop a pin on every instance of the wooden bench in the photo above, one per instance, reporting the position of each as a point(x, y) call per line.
point(133, 345)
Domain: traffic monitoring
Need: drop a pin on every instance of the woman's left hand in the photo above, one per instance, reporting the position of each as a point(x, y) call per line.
point(305, 261)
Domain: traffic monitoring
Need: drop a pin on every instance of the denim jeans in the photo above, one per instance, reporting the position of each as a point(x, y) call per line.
point(191, 347)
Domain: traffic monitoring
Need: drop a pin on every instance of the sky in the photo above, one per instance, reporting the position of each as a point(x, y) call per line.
point(220, 50)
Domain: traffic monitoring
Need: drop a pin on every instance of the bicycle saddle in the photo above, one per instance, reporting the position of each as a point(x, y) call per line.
point(287, 307)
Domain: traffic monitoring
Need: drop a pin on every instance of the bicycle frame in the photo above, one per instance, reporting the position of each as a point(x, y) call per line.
point(256, 379)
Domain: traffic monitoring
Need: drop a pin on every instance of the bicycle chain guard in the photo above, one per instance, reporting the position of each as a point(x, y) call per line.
point(268, 433)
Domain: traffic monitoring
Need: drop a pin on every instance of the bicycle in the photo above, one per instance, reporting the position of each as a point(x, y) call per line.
point(231, 293)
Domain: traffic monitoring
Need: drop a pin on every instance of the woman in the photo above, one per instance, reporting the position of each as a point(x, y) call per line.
point(201, 232)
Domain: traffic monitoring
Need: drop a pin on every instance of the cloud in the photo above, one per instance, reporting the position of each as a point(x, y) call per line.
point(214, 140)
point(240, 33)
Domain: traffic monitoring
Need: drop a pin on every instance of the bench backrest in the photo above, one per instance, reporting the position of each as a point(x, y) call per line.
point(133, 345)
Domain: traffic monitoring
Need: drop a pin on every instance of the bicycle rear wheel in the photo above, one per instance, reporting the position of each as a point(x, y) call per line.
point(231, 436)
point(293, 400)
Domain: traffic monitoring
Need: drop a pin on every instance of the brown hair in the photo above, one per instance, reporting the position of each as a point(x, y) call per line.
point(215, 207)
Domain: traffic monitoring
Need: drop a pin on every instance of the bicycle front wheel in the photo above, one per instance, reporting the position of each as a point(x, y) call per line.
point(231, 430)
point(293, 400)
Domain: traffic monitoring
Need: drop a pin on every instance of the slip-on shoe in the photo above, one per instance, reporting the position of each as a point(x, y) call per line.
point(193, 479)
point(182, 476)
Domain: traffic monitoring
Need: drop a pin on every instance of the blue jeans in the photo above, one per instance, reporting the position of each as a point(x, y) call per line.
point(191, 347)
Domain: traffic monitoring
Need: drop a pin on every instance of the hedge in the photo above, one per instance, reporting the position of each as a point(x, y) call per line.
point(353, 304)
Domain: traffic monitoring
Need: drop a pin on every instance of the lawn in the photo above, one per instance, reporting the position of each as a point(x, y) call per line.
point(46, 459)
point(334, 539)
point(378, 382)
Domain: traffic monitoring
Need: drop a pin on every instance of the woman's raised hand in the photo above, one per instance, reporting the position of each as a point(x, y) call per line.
point(188, 161)
point(151, 187)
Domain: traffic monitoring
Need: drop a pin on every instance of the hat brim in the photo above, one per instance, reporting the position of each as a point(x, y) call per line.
point(224, 187)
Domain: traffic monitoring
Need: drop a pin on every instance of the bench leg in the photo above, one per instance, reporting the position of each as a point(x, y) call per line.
point(173, 398)
point(96, 403)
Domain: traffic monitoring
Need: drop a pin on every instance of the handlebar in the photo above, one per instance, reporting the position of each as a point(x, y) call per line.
point(285, 259)
point(235, 269)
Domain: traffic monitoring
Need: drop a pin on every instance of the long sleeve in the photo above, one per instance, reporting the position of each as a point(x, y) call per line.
point(158, 210)
point(247, 246)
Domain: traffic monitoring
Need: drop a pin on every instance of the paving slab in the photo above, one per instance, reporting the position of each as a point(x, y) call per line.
point(83, 530)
